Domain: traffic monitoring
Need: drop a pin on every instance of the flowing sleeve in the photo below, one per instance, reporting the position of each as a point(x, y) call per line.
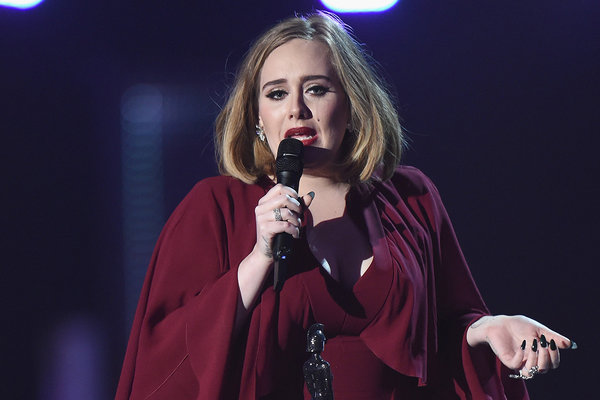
point(182, 344)
point(456, 302)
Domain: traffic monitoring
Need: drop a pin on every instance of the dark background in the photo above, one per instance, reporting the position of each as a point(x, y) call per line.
point(499, 100)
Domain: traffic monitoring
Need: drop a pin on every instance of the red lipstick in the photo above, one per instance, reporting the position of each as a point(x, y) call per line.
point(306, 135)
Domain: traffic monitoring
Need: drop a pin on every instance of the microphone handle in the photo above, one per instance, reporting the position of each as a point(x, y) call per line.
point(282, 248)
point(283, 242)
point(289, 178)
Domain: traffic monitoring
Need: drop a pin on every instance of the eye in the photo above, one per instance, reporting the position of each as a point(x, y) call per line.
point(276, 94)
point(318, 90)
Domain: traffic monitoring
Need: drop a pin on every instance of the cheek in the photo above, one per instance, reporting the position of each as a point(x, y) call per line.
point(273, 146)
point(341, 122)
point(338, 117)
point(269, 114)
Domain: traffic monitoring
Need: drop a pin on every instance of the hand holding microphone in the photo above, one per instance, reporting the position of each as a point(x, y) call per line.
point(279, 211)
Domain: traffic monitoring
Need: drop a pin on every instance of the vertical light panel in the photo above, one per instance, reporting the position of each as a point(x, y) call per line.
point(142, 175)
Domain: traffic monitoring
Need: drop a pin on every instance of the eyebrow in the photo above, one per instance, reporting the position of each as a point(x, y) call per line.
point(304, 79)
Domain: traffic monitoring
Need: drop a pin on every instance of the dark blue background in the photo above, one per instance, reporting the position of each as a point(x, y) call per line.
point(499, 99)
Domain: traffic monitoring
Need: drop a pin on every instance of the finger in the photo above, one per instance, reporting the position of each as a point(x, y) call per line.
point(290, 216)
point(278, 190)
point(286, 190)
point(554, 354)
point(562, 342)
point(307, 199)
point(275, 217)
point(288, 209)
point(544, 362)
point(274, 191)
point(293, 204)
point(571, 345)
point(268, 229)
point(282, 201)
point(288, 227)
point(532, 358)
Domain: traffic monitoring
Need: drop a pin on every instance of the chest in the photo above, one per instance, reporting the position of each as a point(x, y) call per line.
point(342, 247)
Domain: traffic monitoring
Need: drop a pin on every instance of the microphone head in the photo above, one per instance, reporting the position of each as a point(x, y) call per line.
point(290, 146)
point(289, 156)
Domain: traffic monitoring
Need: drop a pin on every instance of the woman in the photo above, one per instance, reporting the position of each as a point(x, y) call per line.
point(375, 260)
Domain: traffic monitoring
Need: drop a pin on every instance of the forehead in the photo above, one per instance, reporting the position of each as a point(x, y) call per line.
point(297, 58)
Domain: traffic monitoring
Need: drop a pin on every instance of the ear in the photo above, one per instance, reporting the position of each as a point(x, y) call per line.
point(260, 123)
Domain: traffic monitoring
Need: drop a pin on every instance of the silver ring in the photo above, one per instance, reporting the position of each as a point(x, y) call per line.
point(532, 372)
point(277, 213)
point(521, 376)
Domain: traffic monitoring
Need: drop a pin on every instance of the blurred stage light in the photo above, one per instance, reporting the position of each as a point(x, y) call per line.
point(142, 115)
point(74, 360)
point(359, 6)
point(22, 4)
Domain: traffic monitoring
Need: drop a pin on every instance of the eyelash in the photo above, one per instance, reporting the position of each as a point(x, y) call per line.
point(276, 94)
point(317, 90)
point(321, 90)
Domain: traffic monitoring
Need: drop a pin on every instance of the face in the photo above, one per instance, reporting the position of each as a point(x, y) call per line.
point(301, 97)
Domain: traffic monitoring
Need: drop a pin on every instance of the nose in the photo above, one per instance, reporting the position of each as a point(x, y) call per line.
point(298, 107)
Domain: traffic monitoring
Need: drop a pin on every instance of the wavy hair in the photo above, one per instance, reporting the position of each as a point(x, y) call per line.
point(375, 138)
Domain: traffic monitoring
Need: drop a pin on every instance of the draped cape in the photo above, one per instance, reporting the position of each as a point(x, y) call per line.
point(408, 313)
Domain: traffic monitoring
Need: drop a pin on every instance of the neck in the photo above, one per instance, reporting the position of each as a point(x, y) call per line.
point(320, 184)
point(330, 197)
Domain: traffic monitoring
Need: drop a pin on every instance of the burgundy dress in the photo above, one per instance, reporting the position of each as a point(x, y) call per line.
point(399, 333)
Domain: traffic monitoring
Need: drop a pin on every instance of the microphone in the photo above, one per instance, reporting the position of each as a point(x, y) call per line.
point(288, 168)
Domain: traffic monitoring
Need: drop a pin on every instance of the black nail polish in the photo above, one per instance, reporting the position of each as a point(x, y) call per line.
point(534, 345)
point(543, 341)
point(552, 345)
point(523, 344)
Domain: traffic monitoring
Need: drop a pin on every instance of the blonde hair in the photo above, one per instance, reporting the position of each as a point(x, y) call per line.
point(375, 138)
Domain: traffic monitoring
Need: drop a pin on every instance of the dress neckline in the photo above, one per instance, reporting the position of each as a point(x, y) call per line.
point(350, 310)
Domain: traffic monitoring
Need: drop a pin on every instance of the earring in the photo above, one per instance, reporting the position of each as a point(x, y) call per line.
point(260, 132)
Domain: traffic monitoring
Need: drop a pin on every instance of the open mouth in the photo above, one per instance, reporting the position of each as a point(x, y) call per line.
point(306, 135)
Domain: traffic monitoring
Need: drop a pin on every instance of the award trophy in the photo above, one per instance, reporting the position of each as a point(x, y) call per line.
point(317, 373)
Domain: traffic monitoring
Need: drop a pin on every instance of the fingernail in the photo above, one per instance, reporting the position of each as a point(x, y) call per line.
point(552, 344)
point(543, 341)
point(523, 344)
point(534, 345)
point(573, 345)
point(311, 194)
